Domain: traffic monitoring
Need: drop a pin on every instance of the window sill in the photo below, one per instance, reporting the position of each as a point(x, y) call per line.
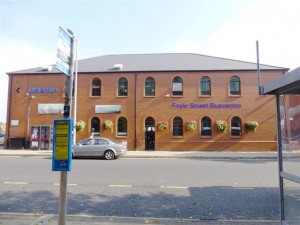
point(149, 96)
point(234, 96)
point(236, 137)
point(118, 136)
point(177, 137)
point(206, 137)
point(205, 96)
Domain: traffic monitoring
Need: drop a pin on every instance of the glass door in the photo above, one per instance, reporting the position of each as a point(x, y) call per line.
point(41, 138)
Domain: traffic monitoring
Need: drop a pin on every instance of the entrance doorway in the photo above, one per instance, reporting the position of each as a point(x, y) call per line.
point(41, 137)
point(149, 133)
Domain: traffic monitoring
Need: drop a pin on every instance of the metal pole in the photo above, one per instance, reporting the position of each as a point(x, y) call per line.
point(258, 70)
point(63, 198)
point(280, 165)
point(64, 174)
point(28, 119)
point(75, 91)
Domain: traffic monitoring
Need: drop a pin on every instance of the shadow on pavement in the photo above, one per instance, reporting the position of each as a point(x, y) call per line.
point(198, 203)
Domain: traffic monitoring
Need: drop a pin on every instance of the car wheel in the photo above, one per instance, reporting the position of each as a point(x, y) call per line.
point(109, 154)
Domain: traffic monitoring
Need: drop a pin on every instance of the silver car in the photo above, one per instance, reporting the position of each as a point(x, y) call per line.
point(100, 147)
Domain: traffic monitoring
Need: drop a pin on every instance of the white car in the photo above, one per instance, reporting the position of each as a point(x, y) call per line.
point(99, 147)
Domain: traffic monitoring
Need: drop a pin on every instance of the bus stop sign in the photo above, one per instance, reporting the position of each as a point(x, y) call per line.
point(62, 145)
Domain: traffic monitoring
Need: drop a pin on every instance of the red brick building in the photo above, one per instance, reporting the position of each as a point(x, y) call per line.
point(144, 93)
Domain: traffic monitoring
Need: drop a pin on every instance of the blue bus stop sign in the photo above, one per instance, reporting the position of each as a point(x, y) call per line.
point(62, 145)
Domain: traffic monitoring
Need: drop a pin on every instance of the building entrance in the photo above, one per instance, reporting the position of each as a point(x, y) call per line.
point(41, 137)
point(149, 134)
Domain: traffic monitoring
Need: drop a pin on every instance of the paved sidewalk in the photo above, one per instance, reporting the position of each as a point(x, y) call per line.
point(171, 154)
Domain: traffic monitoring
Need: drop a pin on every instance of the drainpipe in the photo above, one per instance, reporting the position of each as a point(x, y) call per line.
point(135, 110)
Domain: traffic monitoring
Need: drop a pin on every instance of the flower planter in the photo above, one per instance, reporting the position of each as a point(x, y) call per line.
point(191, 125)
point(163, 125)
point(221, 126)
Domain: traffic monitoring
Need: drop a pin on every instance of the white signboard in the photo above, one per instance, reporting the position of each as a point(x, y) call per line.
point(63, 58)
point(107, 108)
point(50, 108)
point(14, 122)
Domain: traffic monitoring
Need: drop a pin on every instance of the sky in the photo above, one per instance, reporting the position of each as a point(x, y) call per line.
point(221, 28)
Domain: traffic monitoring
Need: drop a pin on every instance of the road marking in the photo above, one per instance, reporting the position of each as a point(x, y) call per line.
point(243, 188)
point(175, 187)
point(57, 184)
point(119, 185)
point(8, 182)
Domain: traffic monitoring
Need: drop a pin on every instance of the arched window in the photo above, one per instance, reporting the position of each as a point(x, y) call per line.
point(236, 126)
point(122, 126)
point(123, 87)
point(205, 86)
point(95, 126)
point(205, 126)
point(149, 87)
point(177, 126)
point(235, 85)
point(96, 87)
point(177, 87)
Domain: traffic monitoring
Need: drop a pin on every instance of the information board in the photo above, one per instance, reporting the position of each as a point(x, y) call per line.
point(62, 145)
point(63, 57)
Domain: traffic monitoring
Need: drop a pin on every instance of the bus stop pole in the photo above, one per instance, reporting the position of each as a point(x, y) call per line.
point(68, 105)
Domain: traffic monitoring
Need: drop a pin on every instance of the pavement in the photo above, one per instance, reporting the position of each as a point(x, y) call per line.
point(28, 219)
point(172, 154)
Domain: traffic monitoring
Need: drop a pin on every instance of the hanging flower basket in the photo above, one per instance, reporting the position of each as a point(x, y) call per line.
point(163, 125)
point(191, 125)
point(80, 125)
point(251, 126)
point(221, 126)
point(108, 125)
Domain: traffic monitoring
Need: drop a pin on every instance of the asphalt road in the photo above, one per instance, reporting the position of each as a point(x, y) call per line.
point(189, 189)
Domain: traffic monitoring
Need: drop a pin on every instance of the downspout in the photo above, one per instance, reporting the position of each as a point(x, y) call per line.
point(135, 110)
point(258, 70)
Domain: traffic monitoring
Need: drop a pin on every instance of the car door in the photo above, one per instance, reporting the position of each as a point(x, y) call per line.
point(84, 148)
point(99, 147)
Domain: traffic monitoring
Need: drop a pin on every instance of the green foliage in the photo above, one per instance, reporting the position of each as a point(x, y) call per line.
point(221, 126)
point(80, 126)
point(163, 125)
point(191, 125)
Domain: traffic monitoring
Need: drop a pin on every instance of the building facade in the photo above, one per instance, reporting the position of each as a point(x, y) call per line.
point(153, 101)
